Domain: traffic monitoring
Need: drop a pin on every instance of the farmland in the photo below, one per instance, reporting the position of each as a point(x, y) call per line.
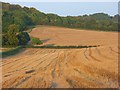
point(65, 68)
point(52, 35)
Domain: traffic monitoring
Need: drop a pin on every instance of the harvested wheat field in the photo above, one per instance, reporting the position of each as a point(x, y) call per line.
point(95, 67)
point(65, 36)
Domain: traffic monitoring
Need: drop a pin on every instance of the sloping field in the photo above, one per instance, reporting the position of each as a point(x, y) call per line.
point(93, 67)
point(66, 36)
point(65, 68)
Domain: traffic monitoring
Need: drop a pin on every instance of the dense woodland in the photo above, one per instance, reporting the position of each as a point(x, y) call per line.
point(17, 19)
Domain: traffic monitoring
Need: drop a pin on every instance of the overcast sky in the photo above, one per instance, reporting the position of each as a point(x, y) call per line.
point(73, 8)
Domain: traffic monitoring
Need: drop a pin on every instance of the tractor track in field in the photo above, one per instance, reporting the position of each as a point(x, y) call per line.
point(91, 55)
point(95, 67)
point(55, 66)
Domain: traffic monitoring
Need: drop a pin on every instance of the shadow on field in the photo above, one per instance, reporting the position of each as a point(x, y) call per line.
point(45, 40)
point(49, 45)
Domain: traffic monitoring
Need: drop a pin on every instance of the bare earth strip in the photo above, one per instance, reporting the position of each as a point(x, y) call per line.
point(65, 68)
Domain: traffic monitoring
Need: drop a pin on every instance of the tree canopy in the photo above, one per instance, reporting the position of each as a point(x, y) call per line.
point(23, 17)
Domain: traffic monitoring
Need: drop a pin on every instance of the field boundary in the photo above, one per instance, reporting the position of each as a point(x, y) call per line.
point(85, 29)
point(20, 48)
point(61, 47)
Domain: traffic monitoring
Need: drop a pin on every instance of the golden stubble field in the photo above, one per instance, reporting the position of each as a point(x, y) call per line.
point(65, 68)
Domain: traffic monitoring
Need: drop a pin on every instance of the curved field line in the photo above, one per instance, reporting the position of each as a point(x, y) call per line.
point(8, 82)
point(19, 63)
point(44, 60)
point(98, 51)
point(85, 54)
point(60, 71)
point(56, 63)
point(21, 82)
point(41, 63)
point(114, 50)
point(45, 67)
point(90, 54)
point(12, 61)
point(15, 64)
point(17, 59)
point(53, 71)
point(25, 65)
point(54, 66)
point(90, 79)
point(33, 57)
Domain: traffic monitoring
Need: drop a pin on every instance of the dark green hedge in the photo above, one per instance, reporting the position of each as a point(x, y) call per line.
point(61, 47)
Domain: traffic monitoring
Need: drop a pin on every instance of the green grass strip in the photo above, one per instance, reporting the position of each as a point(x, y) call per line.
point(11, 52)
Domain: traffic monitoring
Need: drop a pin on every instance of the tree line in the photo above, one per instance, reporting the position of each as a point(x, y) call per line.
point(17, 19)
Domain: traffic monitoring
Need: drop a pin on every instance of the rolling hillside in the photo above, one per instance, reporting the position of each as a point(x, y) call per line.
point(66, 36)
point(95, 67)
